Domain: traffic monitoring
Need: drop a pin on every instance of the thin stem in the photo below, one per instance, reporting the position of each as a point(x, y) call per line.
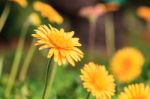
point(17, 59)
point(26, 63)
point(46, 78)
point(51, 80)
point(148, 26)
point(88, 95)
point(118, 87)
point(110, 35)
point(4, 16)
point(92, 35)
point(1, 65)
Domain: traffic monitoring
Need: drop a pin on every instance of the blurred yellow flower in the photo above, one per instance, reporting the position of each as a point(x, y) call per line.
point(135, 91)
point(97, 81)
point(127, 64)
point(144, 12)
point(61, 44)
point(22, 3)
point(34, 19)
point(48, 12)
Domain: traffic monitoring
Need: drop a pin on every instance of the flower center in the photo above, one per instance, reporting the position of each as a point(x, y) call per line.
point(125, 67)
point(60, 42)
point(126, 64)
point(99, 84)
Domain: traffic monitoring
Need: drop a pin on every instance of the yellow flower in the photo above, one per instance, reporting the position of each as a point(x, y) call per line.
point(127, 64)
point(22, 3)
point(135, 91)
point(97, 81)
point(61, 44)
point(144, 12)
point(48, 12)
point(34, 19)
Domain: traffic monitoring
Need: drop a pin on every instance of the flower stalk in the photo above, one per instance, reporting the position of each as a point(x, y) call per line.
point(148, 26)
point(27, 62)
point(51, 80)
point(92, 33)
point(110, 35)
point(4, 16)
point(1, 65)
point(46, 78)
point(17, 59)
point(88, 95)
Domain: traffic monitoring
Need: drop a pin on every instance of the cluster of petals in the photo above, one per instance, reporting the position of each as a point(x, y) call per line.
point(48, 11)
point(135, 91)
point(62, 45)
point(98, 81)
point(22, 3)
point(92, 12)
point(144, 12)
point(127, 64)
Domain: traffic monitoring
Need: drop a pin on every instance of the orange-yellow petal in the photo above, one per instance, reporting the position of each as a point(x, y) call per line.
point(62, 45)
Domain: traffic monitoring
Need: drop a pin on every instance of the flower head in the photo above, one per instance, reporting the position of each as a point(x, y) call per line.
point(62, 45)
point(92, 12)
point(135, 91)
point(48, 12)
point(34, 19)
point(144, 12)
point(112, 6)
point(127, 64)
point(97, 81)
point(22, 3)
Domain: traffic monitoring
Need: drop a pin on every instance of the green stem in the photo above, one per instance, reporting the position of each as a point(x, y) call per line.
point(51, 80)
point(17, 59)
point(88, 95)
point(46, 78)
point(118, 87)
point(92, 33)
point(110, 35)
point(4, 16)
point(1, 65)
point(26, 63)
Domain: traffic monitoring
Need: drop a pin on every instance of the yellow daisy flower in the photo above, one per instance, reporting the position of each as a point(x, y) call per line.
point(61, 44)
point(135, 91)
point(127, 64)
point(22, 3)
point(97, 81)
point(48, 12)
point(34, 19)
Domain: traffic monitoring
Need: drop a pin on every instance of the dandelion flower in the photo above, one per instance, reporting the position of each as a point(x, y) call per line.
point(144, 12)
point(135, 91)
point(22, 3)
point(97, 81)
point(127, 64)
point(62, 45)
point(34, 19)
point(48, 12)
